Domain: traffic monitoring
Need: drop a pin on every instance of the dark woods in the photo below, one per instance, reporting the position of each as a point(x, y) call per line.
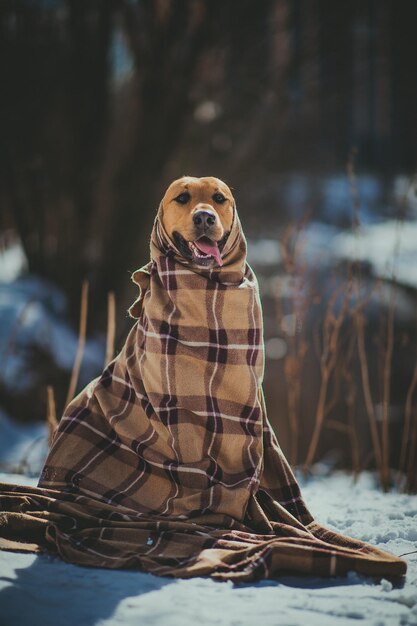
point(97, 99)
point(103, 102)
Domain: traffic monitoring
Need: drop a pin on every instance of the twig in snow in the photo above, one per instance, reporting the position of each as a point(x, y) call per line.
point(51, 413)
point(111, 327)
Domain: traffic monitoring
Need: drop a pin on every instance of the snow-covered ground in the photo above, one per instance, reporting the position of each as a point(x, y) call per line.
point(44, 590)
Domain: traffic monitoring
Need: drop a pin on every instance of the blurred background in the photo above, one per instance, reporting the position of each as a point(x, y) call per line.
point(307, 109)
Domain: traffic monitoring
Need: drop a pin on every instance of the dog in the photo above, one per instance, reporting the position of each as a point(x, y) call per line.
point(167, 461)
point(197, 214)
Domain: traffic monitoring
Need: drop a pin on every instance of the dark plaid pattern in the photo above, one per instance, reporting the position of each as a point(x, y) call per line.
point(167, 461)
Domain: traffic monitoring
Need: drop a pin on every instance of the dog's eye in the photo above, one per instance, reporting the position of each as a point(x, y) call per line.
point(183, 198)
point(219, 198)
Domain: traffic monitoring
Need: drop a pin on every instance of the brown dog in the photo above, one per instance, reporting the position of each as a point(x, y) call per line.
point(197, 214)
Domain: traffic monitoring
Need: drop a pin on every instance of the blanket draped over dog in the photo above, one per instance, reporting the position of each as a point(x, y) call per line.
point(167, 461)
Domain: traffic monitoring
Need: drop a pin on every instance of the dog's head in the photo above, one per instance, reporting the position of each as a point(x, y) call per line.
point(197, 215)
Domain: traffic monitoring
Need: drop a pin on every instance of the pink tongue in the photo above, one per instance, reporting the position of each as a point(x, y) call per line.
point(209, 247)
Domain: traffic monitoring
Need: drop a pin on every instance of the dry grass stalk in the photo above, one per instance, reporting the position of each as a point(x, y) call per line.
point(51, 413)
point(407, 422)
point(81, 343)
point(343, 372)
point(359, 325)
point(386, 389)
point(297, 346)
point(411, 467)
point(411, 477)
point(387, 366)
point(339, 426)
point(292, 372)
point(336, 384)
point(111, 327)
point(350, 401)
point(332, 326)
point(359, 322)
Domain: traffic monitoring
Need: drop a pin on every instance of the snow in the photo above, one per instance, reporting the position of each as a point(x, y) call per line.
point(44, 590)
point(388, 246)
point(33, 317)
point(378, 244)
point(263, 252)
point(22, 447)
point(13, 261)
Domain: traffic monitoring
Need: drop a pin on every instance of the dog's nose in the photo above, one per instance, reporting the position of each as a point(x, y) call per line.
point(204, 218)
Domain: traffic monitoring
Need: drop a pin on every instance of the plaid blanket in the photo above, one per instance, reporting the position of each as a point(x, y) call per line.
point(167, 461)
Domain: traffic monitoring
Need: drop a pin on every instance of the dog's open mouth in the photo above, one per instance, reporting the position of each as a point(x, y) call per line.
point(203, 251)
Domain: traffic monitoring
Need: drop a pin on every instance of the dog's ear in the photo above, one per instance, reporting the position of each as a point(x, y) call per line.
point(141, 278)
